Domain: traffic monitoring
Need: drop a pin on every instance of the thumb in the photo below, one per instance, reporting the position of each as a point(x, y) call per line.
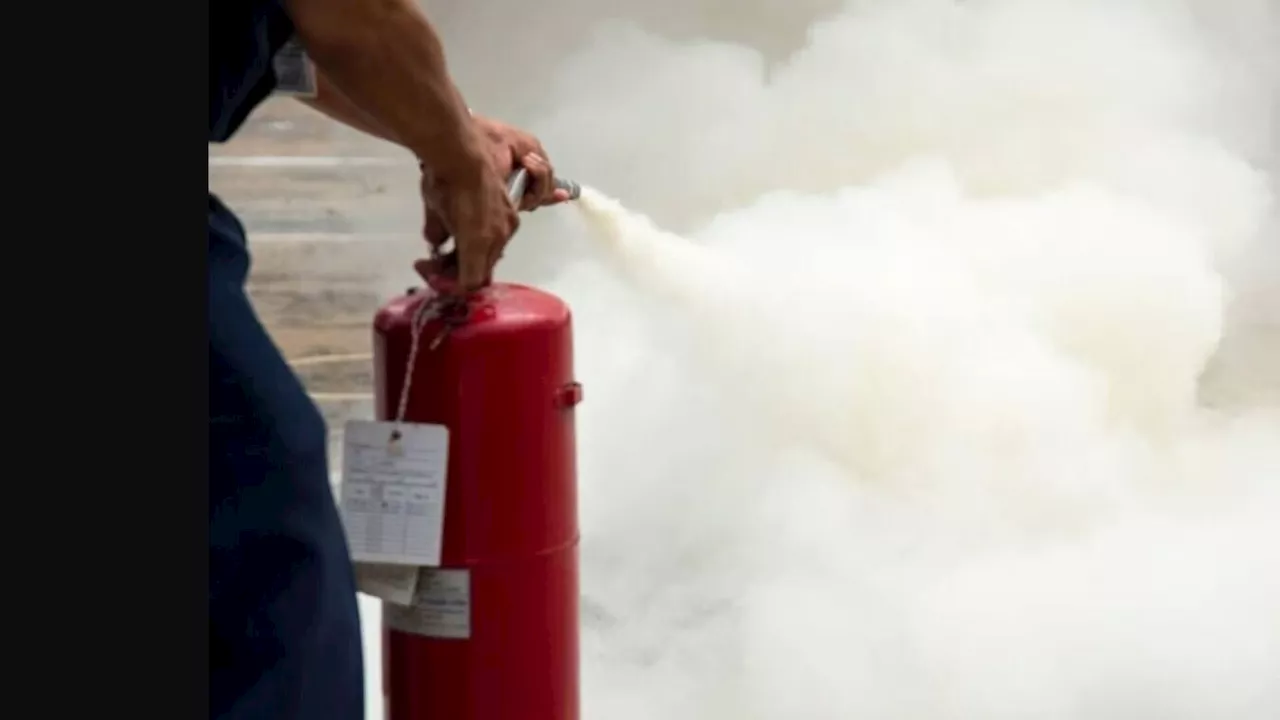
point(473, 271)
point(435, 230)
point(436, 275)
point(427, 268)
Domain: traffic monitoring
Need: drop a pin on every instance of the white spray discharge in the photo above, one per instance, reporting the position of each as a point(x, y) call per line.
point(952, 466)
point(907, 419)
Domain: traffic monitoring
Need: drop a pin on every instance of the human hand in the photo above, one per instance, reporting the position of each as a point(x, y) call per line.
point(468, 201)
point(512, 148)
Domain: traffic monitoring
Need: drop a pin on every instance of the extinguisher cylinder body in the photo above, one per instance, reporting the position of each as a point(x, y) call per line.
point(502, 382)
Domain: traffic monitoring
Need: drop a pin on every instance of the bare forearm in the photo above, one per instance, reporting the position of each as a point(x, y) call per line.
point(386, 59)
point(332, 102)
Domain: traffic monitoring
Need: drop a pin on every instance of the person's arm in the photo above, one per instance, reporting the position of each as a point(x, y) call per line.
point(330, 101)
point(333, 103)
point(386, 59)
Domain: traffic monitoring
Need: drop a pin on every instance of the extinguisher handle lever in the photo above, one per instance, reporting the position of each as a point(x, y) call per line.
point(517, 183)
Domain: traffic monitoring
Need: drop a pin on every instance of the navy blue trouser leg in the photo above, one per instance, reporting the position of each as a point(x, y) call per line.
point(284, 627)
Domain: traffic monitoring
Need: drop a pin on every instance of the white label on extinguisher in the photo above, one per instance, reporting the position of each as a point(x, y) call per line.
point(441, 607)
point(393, 489)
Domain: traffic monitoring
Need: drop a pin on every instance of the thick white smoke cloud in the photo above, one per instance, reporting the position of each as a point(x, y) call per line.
point(909, 419)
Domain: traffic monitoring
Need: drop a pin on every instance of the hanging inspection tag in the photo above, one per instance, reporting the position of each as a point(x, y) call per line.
point(392, 583)
point(393, 490)
point(295, 73)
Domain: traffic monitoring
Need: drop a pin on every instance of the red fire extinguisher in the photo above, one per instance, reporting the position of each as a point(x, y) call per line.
point(497, 371)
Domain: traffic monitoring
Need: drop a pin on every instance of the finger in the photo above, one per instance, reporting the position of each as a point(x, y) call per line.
point(504, 156)
point(435, 230)
point(507, 161)
point(543, 187)
point(427, 268)
point(535, 148)
point(432, 269)
point(548, 187)
point(497, 250)
point(528, 201)
point(476, 257)
point(471, 272)
point(522, 143)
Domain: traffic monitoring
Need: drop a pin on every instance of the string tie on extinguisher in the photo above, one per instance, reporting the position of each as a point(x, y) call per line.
point(453, 311)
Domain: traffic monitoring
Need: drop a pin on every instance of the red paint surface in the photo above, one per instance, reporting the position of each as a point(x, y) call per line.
point(498, 382)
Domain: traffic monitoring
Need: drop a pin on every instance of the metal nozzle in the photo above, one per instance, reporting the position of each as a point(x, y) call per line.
point(573, 188)
point(519, 181)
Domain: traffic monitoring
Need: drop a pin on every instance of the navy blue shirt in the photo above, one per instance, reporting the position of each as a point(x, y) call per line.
point(244, 36)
